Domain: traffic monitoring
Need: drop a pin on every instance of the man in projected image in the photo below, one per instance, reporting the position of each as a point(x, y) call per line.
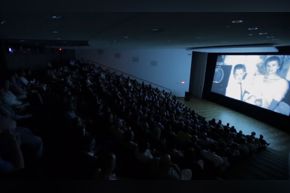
point(269, 90)
point(236, 88)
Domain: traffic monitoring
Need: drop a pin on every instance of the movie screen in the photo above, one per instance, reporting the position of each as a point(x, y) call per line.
point(260, 80)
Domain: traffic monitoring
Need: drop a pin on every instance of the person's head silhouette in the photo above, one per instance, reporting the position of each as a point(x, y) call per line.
point(239, 72)
point(272, 65)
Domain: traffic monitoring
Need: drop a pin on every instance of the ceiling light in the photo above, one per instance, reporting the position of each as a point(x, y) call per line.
point(275, 39)
point(263, 33)
point(2, 22)
point(56, 17)
point(253, 28)
point(270, 37)
point(155, 29)
point(238, 21)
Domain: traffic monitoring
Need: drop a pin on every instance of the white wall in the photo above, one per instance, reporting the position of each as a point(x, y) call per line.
point(166, 67)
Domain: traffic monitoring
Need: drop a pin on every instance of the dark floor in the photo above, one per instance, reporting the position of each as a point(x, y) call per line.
point(270, 164)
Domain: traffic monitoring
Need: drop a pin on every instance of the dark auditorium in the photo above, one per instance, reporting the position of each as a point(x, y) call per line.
point(169, 91)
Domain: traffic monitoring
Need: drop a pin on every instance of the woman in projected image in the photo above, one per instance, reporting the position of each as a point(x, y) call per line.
point(269, 90)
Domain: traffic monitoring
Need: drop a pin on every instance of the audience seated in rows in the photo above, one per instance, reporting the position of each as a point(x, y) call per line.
point(118, 128)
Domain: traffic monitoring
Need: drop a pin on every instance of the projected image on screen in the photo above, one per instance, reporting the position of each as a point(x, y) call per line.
point(260, 80)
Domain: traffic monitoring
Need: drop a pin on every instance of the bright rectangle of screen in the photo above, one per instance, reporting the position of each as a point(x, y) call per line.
point(260, 80)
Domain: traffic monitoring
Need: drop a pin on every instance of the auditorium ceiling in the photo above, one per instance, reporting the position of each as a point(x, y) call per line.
point(159, 23)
